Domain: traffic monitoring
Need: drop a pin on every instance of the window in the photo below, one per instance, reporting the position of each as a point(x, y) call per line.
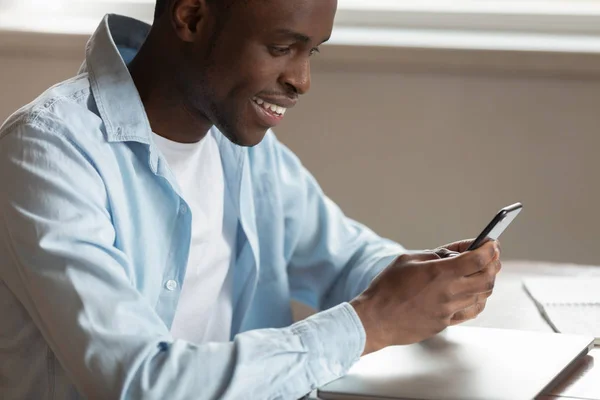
point(526, 15)
point(574, 16)
point(563, 25)
point(523, 25)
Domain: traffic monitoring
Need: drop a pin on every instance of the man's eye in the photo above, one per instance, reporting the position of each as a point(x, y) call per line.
point(314, 50)
point(279, 50)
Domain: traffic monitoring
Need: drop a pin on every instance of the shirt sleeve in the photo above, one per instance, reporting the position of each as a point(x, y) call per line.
point(332, 258)
point(57, 240)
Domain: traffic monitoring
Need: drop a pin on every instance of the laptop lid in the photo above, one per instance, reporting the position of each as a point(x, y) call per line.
point(465, 363)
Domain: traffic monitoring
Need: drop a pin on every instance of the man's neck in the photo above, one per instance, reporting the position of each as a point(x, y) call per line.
point(164, 105)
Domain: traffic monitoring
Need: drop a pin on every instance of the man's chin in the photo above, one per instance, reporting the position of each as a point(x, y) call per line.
point(248, 137)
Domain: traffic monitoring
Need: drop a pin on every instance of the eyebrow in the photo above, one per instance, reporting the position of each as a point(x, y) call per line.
point(296, 35)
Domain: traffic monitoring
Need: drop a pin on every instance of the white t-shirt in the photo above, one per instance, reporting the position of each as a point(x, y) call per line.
point(205, 307)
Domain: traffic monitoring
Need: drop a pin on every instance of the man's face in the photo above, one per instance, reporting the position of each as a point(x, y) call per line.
point(252, 63)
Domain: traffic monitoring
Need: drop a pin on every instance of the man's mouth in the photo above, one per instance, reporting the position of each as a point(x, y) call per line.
point(270, 108)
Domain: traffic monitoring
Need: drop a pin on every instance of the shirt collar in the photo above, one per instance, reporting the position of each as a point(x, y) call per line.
point(114, 91)
point(115, 42)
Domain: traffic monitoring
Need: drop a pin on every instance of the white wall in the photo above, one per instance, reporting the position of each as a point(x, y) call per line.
point(428, 158)
point(427, 155)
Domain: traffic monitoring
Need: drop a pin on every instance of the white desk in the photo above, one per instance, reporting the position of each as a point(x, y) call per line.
point(511, 308)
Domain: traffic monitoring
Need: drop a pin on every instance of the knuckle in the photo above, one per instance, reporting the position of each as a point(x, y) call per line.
point(492, 252)
point(460, 316)
point(479, 307)
point(473, 311)
point(491, 279)
point(490, 285)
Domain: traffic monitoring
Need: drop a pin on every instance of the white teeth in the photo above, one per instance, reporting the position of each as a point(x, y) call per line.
point(270, 107)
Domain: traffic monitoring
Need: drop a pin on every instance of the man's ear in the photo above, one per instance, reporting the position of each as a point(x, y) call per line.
point(187, 16)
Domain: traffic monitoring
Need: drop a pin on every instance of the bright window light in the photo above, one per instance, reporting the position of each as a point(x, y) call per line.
point(501, 24)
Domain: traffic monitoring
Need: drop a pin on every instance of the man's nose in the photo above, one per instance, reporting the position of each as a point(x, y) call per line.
point(298, 76)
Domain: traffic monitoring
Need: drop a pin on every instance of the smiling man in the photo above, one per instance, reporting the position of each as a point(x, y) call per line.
point(154, 230)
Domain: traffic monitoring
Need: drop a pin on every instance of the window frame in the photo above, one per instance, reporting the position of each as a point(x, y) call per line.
point(549, 16)
point(512, 16)
point(556, 26)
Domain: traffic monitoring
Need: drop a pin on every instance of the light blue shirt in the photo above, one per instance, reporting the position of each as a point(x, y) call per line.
point(94, 241)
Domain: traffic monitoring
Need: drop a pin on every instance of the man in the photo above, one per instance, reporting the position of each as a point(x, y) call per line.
point(153, 227)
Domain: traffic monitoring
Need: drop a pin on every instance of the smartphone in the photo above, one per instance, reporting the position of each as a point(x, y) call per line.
point(495, 228)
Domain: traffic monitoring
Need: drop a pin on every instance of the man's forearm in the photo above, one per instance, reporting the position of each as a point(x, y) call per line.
point(268, 363)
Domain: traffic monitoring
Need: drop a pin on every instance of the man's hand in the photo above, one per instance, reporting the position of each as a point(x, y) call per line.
point(421, 294)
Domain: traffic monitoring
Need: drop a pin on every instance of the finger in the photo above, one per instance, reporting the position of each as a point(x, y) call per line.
point(445, 253)
point(427, 255)
point(459, 247)
point(480, 282)
point(466, 302)
point(468, 313)
point(471, 262)
point(497, 265)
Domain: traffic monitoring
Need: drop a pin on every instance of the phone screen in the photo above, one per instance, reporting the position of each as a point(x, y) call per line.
point(495, 228)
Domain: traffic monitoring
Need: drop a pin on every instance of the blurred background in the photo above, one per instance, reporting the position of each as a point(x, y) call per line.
point(424, 118)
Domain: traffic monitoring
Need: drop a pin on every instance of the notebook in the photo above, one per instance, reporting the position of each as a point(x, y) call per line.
point(569, 304)
point(464, 363)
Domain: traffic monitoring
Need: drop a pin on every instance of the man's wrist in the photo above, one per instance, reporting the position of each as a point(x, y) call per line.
point(360, 305)
point(335, 335)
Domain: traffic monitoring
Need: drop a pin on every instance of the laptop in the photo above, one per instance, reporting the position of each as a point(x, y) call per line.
point(465, 363)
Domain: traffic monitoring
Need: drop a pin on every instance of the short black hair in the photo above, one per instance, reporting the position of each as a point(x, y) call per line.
point(161, 5)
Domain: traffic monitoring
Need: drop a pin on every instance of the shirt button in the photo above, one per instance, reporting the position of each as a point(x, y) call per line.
point(171, 285)
point(183, 209)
